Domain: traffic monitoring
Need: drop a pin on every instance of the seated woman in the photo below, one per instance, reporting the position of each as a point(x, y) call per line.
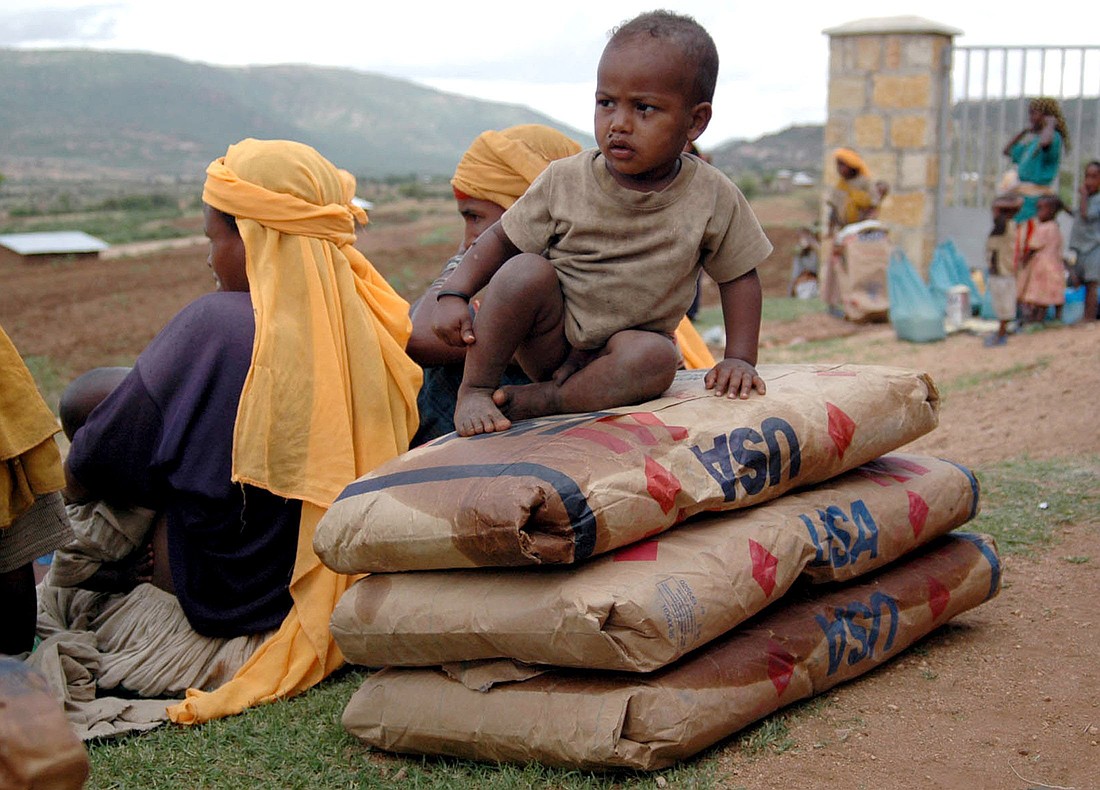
point(495, 171)
point(239, 425)
point(32, 515)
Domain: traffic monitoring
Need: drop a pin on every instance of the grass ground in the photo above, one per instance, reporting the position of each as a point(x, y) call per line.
point(300, 743)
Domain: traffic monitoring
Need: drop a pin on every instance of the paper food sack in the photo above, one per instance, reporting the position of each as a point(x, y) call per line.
point(593, 720)
point(650, 603)
point(566, 488)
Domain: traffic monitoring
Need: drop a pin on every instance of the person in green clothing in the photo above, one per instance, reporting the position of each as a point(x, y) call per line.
point(1036, 151)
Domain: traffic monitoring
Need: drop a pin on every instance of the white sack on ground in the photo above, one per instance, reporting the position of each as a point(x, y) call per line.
point(588, 719)
point(565, 488)
point(645, 605)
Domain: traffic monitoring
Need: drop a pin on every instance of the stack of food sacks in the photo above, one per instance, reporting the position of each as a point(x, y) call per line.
point(633, 643)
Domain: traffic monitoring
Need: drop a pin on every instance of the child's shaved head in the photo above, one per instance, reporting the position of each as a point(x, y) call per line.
point(694, 41)
point(84, 394)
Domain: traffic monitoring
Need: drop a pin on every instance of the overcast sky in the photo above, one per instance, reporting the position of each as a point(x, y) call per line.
point(773, 53)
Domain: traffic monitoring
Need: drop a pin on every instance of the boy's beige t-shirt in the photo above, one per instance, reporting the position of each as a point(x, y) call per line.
point(627, 259)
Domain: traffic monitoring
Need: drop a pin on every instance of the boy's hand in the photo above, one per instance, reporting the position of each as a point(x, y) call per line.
point(452, 322)
point(735, 378)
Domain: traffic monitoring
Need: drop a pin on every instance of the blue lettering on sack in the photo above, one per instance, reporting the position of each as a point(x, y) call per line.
point(854, 632)
point(739, 460)
point(841, 539)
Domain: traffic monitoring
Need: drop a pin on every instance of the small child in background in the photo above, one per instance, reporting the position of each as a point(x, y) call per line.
point(1041, 279)
point(594, 267)
point(84, 393)
point(112, 549)
point(805, 263)
point(1001, 251)
point(1084, 239)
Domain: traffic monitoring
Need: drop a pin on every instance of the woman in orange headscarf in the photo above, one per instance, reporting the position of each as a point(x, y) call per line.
point(495, 171)
point(241, 423)
point(854, 198)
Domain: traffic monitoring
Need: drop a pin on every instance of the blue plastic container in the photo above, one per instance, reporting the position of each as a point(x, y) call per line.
point(1074, 309)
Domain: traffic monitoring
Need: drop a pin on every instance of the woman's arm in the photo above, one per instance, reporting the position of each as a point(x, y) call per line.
point(452, 322)
point(1046, 135)
point(1019, 135)
point(424, 345)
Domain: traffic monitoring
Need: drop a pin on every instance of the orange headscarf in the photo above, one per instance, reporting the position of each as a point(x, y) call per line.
point(852, 159)
point(500, 166)
point(330, 393)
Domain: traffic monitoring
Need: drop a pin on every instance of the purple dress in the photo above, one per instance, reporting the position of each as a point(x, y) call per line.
point(164, 439)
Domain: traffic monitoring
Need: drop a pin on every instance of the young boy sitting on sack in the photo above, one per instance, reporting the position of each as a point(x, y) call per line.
point(591, 270)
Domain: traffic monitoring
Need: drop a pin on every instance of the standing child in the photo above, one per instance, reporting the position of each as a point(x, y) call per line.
point(804, 264)
point(1041, 280)
point(591, 270)
point(1085, 236)
point(1001, 253)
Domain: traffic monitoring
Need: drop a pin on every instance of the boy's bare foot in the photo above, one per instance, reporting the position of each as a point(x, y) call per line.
point(524, 401)
point(476, 412)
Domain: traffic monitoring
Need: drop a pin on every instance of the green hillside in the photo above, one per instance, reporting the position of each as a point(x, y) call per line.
point(113, 114)
point(800, 147)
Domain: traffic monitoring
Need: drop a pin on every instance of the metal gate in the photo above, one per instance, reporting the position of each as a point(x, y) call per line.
point(990, 88)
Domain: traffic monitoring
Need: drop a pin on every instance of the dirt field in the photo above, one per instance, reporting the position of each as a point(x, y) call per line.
point(1006, 696)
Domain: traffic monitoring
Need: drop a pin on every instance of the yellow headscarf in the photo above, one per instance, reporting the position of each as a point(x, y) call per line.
point(852, 159)
point(30, 461)
point(500, 166)
point(330, 393)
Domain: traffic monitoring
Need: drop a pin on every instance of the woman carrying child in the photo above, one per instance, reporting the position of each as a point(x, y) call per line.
point(241, 423)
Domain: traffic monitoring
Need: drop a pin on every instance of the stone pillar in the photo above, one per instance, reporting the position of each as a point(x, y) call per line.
point(888, 85)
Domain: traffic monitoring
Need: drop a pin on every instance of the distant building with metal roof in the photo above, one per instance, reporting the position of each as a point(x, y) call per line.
point(50, 245)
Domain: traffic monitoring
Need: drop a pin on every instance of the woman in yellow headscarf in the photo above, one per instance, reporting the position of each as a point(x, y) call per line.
point(495, 171)
point(252, 410)
point(855, 198)
point(32, 517)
